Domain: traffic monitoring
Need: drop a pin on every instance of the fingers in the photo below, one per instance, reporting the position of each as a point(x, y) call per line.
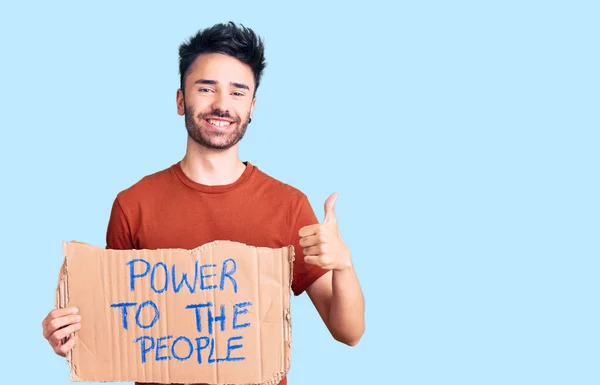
point(316, 247)
point(309, 230)
point(314, 244)
point(312, 240)
point(322, 260)
point(329, 208)
point(58, 335)
point(63, 349)
point(313, 250)
point(58, 328)
point(53, 325)
point(56, 313)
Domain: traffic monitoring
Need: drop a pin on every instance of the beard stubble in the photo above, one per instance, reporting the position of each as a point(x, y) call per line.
point(212, 139)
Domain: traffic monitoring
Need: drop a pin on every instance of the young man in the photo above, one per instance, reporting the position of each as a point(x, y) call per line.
point(212, 195)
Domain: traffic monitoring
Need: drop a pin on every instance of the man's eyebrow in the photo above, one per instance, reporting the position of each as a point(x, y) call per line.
point(205, 81)
point(240, 85)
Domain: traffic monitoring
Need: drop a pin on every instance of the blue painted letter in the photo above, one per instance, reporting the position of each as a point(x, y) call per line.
point(200, 347)
point(124, 306)
point(236, 311)
point(177, 287)
point(177, 357)
point(153, 274)
point(202, 277)
point(132, 275)
point(212, 319)
point(160, 345)
point(226, 273)
point(197, 307)
point(145, 349)
point(156, 314)
point(233, 347)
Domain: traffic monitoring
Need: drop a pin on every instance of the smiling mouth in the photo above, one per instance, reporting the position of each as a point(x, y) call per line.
point(219, 122)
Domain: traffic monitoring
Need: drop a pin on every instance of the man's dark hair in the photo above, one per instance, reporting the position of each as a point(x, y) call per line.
point(239, 42)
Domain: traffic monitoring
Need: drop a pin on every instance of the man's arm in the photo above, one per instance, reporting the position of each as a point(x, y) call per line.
point(118, 233)
point(336, 295)
point(339, 300)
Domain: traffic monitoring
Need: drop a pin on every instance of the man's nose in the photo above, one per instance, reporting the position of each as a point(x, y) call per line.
point(220, 103)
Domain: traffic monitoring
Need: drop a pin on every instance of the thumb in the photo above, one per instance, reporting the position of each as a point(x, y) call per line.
point(329, 212)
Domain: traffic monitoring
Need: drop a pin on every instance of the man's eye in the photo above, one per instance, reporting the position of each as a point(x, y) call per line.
point(238, 94)
point(205, 90)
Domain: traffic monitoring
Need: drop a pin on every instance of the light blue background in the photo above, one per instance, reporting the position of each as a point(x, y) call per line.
point(462, 138)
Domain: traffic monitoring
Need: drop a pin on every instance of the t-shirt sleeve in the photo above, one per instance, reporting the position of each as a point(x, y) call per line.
point(304, 274)
point(118, 233)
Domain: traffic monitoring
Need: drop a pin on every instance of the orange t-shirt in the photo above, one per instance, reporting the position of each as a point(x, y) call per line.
point(168, 210)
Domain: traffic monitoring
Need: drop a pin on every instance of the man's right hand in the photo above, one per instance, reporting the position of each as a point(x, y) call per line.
point(59, 324)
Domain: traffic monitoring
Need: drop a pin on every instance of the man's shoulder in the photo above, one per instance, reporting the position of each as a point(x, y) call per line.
point(147, 185)
point(275, 186)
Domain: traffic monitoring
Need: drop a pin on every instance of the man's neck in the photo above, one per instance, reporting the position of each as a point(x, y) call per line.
point(210, 167)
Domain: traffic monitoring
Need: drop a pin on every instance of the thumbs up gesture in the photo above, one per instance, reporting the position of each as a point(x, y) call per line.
point(322, 244)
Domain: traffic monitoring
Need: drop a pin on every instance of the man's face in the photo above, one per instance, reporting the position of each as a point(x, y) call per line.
point(218, 100)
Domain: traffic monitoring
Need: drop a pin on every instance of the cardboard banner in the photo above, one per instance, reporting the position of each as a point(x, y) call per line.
point(217, 314)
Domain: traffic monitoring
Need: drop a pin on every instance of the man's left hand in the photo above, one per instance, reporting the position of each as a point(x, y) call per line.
point(322, 243)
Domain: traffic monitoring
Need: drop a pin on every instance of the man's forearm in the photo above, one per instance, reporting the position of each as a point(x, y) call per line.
point(347, 311)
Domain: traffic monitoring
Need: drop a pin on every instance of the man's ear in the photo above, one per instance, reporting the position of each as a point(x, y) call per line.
point(180, 102)
point(252, 107)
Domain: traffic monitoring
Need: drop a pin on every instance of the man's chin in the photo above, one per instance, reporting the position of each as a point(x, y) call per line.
point(215, 139)
point(212, 144)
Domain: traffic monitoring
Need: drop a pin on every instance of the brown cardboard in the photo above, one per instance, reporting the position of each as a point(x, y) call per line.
point(93, 278)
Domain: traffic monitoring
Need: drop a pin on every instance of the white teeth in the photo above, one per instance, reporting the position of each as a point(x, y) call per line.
point(219, 123)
